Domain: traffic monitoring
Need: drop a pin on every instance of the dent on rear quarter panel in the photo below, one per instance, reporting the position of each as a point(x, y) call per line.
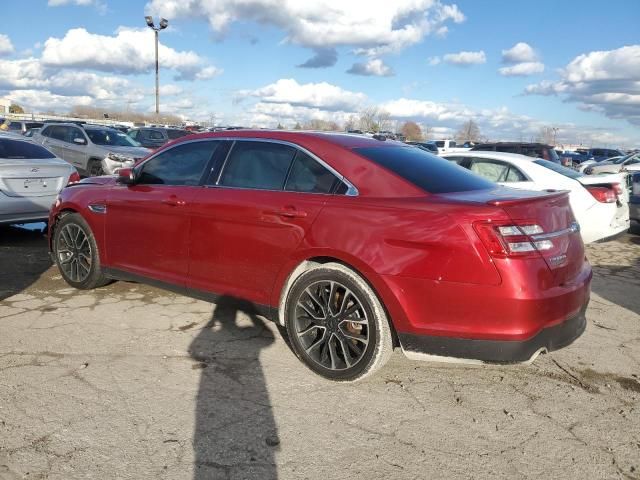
point(425, 243)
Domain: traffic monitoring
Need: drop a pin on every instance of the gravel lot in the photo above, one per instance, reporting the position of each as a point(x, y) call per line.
point(132, 382)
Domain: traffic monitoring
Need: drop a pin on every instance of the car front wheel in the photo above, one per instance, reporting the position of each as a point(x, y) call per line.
point(76, 253)
point(336, 323)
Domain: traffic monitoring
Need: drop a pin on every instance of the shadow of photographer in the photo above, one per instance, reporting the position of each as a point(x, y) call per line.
point(235, 432)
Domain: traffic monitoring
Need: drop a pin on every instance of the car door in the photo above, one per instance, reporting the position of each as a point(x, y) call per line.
point(54, 139)
point(252, 216)
point(76, 147)
point(147, 226)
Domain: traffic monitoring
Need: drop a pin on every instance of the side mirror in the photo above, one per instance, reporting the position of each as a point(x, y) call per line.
point(126, 176)
point(79, 141)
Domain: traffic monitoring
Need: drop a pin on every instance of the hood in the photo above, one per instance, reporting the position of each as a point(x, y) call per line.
point(102, 180)
point(133, 152)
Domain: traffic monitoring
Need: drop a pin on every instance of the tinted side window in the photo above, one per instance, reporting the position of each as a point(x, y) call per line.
point(155, 135)
point(46, 131)
point(307, 175)
point(59, 133)
point(494, 171)
point(133, 134)
point(181, 165)
point(15, 126)
point(259, 165)
point(426, 171)
point(75, 133)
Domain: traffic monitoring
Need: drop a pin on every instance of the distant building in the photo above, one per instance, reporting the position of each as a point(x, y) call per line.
point(5, 103)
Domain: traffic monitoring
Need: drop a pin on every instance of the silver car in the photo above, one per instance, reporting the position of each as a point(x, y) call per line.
point(93, 149)
point(614, 165)
point(30, 179)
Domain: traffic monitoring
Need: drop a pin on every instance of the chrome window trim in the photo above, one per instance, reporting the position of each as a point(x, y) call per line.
point(352, 191)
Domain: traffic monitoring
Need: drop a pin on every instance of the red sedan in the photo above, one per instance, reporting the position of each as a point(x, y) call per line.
point(354, 244)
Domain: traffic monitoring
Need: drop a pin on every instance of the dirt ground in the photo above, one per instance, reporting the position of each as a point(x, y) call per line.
point(132, 382)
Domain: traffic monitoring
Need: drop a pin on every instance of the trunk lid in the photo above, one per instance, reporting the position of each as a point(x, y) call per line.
point(564, 252)
point(549, 210)
point(33, 178)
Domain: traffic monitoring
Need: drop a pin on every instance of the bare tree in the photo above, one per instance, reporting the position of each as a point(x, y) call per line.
point(468, 132)
point(412, 131)
point(367, 119)
point(351, 123)
point(383, 119)
point(324, 125)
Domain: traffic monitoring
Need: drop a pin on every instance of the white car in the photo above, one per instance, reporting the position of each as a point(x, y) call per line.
point(30, 179)
point(600, 203)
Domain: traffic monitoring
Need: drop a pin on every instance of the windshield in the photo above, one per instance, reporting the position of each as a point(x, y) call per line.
point(425, 170)
point(111, 138)
point(620, 160)
point(567, 172)
point(14, 149)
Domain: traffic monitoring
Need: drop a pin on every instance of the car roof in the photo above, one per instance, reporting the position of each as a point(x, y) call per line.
point(346, 140)
point(508, 157)
point(523, 144)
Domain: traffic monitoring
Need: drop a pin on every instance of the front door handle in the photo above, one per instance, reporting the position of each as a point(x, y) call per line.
point(173, 201)
point(287, 213)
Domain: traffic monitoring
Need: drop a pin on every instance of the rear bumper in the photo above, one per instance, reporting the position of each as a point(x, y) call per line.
point(496, 351)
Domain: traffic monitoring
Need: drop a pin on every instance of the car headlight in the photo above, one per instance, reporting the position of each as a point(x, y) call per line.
point(119, 158)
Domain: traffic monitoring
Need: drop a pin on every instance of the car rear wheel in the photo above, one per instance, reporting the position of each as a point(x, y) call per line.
point(336, 323)
point(76, 253)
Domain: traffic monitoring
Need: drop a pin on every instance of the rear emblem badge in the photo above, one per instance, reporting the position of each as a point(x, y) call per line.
point(34, 170)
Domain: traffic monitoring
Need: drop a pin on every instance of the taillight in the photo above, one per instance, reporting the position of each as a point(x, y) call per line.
point(512, 240)
point(74, 177)
point(604, 194)
point(617, 188)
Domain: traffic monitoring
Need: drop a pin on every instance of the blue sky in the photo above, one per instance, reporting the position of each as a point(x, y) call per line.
point(239, 61)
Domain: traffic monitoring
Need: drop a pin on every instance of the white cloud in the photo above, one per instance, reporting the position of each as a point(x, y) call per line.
point(288, 102)
point(169, 90)
point(100, 5)
point(464, 59)
point(373, 67)
point(372, 27)
point(43, 100)
point(313, 95)
point(6, 47)
point(607, 82)
point(130, 51)
point(433, 61)
point(521, 52)
point(522, 61)
point(522, 69)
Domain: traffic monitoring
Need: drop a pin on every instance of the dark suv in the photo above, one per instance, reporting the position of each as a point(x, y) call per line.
point(537, 150)
point(155, 137)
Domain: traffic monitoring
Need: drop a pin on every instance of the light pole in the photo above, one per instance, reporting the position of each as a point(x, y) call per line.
point(163, 24)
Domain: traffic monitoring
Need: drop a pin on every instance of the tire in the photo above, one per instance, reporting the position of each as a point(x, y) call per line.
point(588, 171)
point(76, 253)
point(349, 343)
point(95, 168)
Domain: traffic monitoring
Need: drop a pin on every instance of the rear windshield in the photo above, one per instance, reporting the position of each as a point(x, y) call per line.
point(567, 172)
point(426, 171)
point(18, 149)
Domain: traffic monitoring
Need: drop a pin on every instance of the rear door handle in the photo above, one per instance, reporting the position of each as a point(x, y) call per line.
point(173, 201)
point(287, 213)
